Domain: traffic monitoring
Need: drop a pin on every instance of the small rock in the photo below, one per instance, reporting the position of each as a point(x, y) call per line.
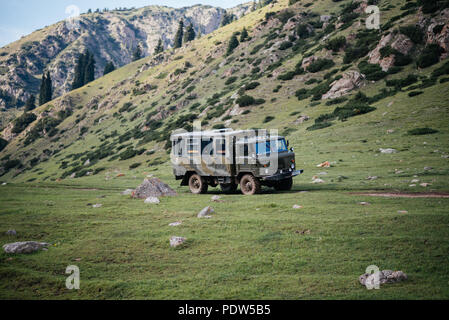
point(175, 224)
point(72, 176)
point(11, 233)
point(412, 185)
point(388, 151)
point(297, 206)
point(402, 211)
point(98, 205)
point(322, 174)
point(372, 178)
point(206, 212)
point(390, 131)
point(78, 259)
point(177, 241)
point(152, 200)
point(428, 168)
point(383, 277)
point(24, 247)
point(87, 163)
point(4, 184)
point(317, 180)
point(445, 156)
point(216, 198)
point(414, 181)
point(127, 192)
point(425, 184)
point(364, 203)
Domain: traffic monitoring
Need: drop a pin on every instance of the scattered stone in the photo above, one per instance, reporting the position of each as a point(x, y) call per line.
point(388, 151)
point(216, 198)
point(364, 203)
point(383, 277)
point(425, 184)
point(317, 180)
point(73, 175)
point(24, 247)
point(428, 168)
point(152, 200)
point(4, 184)
point(153, 187)
point(402, 211)
point(127, 192)
point(175, 224)
point(414, 181)
point(177, 241)
point(301, 120)
point(206, 212)
point(445, 156)
point(303, 232)
point(78, 259)
point(297, 206)
point(11, 233)
point(325, 164)
point(87, 163)
point(322, 174)
point(390, 131)
point(372, 178)
point(98, 205)
point(412, 185)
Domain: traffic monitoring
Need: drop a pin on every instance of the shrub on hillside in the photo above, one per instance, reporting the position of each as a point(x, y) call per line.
point(401, 83)
point(415, 93)
point(230, 80)
point(245, 101)
point(11, 164)
point(429, 56)
point(285, 45)
point(444, 69)
point(366, 41)
point(422, 131)
point(22, 122)
point(233, 43)
point(414, 32)
point(303, 31)
point(320, 64)
point(336, 44)
point(285, 15)
point(3, 144)
point(268, 119)
point(373, 72)
point(252, 85)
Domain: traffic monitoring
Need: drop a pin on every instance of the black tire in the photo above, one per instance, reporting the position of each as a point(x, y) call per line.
point(284, 185)
point(228, 188)
point(197, 184)
point(250, 185)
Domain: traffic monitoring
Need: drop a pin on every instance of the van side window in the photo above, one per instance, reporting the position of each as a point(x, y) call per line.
point(220, 146)
point(179, 147)
point(193, 146)
point(207, 144)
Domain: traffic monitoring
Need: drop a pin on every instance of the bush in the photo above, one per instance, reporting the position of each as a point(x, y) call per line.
point(352, 109)
point(285, 45)
point(285, 15)
point(429, 56)
point(444, 69)
point(126, 107)
point(11, 164)
point(373, 72)
point(336, 101)
point(366, 41)
point(233, 43)
point(320, 64)
point(303, 31)
point(302, 94)
point(134, 166)
point(414, 32)
point(431, 6)
point(287, 76)
point(245, 101)
point(252, 85)
point(415, 93)
point(422, 131)
point(336, 44)
point(22, 122)
point(230, 80)
point(3, 144)
point(401, 83)
point(268, 119)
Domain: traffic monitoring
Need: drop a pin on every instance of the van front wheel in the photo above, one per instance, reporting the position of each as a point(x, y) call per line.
point(197, 184)
point(250, 185)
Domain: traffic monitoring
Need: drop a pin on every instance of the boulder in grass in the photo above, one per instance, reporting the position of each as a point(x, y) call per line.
point(127, 192)
point(25, 247)
point(153, 187)
point(177, 241)
point(381, 277)
point(206, 212)
point(11, 233)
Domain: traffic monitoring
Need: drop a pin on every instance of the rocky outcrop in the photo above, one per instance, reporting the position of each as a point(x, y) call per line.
point(398, 42)
point(153, 188)
point(381, 277)
point(111, 36)
point(438, 31)
point(350, 81)
point(25, 247)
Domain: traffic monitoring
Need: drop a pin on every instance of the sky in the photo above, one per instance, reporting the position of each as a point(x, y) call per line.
point(22, 17)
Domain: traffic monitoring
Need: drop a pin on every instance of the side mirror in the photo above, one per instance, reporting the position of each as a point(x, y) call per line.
point(292, 150)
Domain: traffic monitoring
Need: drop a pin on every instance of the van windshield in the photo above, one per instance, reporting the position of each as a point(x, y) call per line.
point(274, 146)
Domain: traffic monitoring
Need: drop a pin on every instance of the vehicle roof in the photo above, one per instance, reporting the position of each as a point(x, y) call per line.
point(226, 133)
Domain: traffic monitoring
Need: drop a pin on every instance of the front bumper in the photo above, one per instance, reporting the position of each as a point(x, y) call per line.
point(284, 175)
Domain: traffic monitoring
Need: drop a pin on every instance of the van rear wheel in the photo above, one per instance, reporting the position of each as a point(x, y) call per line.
point(284, 185)
point(250, 185)
point(197, 184)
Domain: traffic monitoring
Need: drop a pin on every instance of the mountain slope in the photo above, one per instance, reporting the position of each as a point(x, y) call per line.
point(110, 36)
point(121, 122)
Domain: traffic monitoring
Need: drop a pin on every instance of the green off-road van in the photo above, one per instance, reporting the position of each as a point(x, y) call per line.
point(249, 158)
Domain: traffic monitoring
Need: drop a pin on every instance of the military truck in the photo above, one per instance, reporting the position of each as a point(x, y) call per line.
point(249, 158)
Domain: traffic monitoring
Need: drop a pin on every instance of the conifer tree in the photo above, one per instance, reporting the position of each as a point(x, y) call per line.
point(108, 68)
point(177, 43)
point(189, 34)
point(159, 48)
point(243, 35)
point(48, 88)
point(78, 79)
point(42, 90)
point(89, 71)
point(137, 54)
point(30, 103)
point(233, 43)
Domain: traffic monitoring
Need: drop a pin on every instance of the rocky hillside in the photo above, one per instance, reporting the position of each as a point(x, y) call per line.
point(111, 36)
point(310, 69)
